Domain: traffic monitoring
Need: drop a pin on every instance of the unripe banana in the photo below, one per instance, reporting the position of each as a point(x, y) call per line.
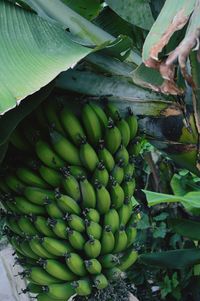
point(118, 172)
point(111, 219)
point(93, 266)
point(131, 233)
point(55, 246)
point(107, 241)
point(122, 155)
point(105, 156)
point(112, 137)
point(92, 248)
point(33, 288)
point(10, 204)
point(76, 264)
point(134, 147)
point(100, 282)
point(100, 114)
point(76, 239)
point(71, 186)
point(30, 178)
point(40, 223)
point(82, 287)
point(103, 198)
point(39, 276)
point(14, 184)
point(129, 169)
point(72, 126)
point(58, 270)
point(38, 249)
point(113, 273)
point(16, 245)
point(26, 249)
point(38, 195)
point(27, 207)
point(101, 174)
point(125, 212)
point(50, 110)
point(75, 222)
point(48, 156)
point(51, 176)
point(77, 171)
point(127, 260)
point(64, 148)
point(26, 226)
point(18, 140)
point(88, 194)
point(53, 210)
point(132, 122)
point(93, 229)
point(112, 111)
point(116, 194)
point(124, 130)
point(67, 204)
point(11, 223)
point(109, 261)
point(45, 297)
point(88, 156)
point(129, 187)
point(91, 215)
point(120, 240)
point(91, 124)
point(60, 291)
point(59, 227)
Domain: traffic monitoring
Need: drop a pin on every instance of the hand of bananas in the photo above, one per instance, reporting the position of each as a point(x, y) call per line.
point(68, 206)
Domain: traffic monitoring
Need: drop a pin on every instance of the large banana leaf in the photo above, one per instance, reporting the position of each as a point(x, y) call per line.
point(86, 8)
point(32, 53)
point(185, 227)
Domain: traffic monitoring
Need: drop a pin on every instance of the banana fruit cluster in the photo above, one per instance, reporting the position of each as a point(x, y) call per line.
point(70, 216)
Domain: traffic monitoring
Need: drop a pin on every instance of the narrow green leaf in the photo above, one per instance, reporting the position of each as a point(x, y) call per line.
point(185, 227)
point(173, 259)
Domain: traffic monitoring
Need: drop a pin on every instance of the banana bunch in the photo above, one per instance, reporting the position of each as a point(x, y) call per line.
point(69, 217)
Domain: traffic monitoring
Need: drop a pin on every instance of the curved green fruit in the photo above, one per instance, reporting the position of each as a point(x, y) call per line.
point(59, 227)
point(109, 261)
point(88, 194)
point(116, 194)
point(50, 175)
point(129, 169)
point(71, 186)
point(88, 156)
point(131, 233)
point(105, 156)
point(33, 288)
point(125, 213)
point(26, 226)
point(14, 184)
point(11, 223)
point(50, 109)
point(127, 260)
point(30, 178)
point(112, 111)
point(38, 195)
point(40, 223)
point(100, 282)
point(46, 297)
point(100, 114)
point(91, 124)
point(58, 270)
point(92, 248)
point(27, 207)
point(129, 187)
point(118, 172)
point(82, 287)
point(124, 130)
point(113, 273)
point(75, 222)
point(18, 140)
point(26, 249)
point(111, 219)
point(53, 210)
point(76, 264)
point(132, 122)
point(55, 246)
point(91, 214)
point(77, 171)
point(107, 241)
point(76, 239)
point(121, 240)
point(37, 248)
point(103, 199)
point(67, 204)
point(112, 137)
point(101, 174)
point(93, 229)
point(65, 149)
point(122, 155)
point(60, 291)
point(39, 276)
point(93, 266)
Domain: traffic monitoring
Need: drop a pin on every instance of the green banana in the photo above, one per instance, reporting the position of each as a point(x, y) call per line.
point(75, 222)
point(14, 184)
point(26, 226)
point(76, 171)
point(116, 194)
point(121, 240)
point(131, 233)
point(127, 260)
point(55, 246)
point(93, 229)
point(37, 195)
point(125, 212)
point(76, 264)
point(53, 209)
point(134, 147)
point(112, 111)
point(105, 156)
point(91, 215)
point(91, 124)
point(92, 248)
point(112, 137)
point(67, 204)
point(26, 249)
point(16, 245)
point(33, 288)
point(46, 297)
point(17, 139)
point(109, 261)
point(122, 155)
point(101, 174)
point(129, 169)
point(30, 178)
point(128, 186)
point(113, 273)
point(82, 287)
point(124, 130)
point(100, 281)
point(107, 241)
point(58, 270)
point(87, 193)
point(59, 227)
point(27, 207)
point(38, 249)
point(50, 109)
point(10, 204)
point(72, 126)
point(93, 266)
point(132, 122)
point(48, 156)
point(39, 276)
point(103, 198)
point(51, 176)
point(118, 172)
point(60, 291)
point(100, 114)
point(111, 219)
point(71, 186)
point(64, 148)
point(88, 156)
point(40, 223)
point(11, 223)
point(76, 239)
